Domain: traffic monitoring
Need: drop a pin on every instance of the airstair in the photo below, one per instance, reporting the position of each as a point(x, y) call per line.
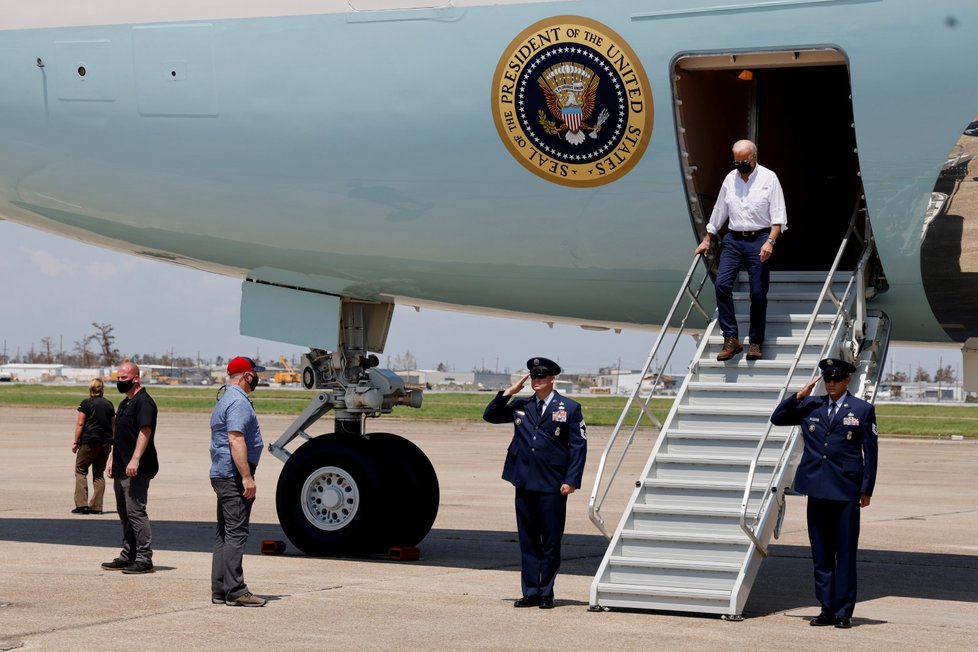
point(712, 493)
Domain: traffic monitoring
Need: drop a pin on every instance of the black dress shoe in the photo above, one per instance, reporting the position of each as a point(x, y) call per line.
point(527, 602)
point(80, 510)
point(843, 622)
point(547, 603)
point(822, 620)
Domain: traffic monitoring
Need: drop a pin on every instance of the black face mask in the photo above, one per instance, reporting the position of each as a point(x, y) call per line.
point(744, 167)
point(124, 386)
point(253, 382)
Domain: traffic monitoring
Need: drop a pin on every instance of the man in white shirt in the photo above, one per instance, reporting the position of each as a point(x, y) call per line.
point(751, 203)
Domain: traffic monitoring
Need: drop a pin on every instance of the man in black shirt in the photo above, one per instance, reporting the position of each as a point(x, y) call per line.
point(134, 464)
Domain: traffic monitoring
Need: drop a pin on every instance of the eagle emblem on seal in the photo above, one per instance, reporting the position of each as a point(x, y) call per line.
point(570, 90)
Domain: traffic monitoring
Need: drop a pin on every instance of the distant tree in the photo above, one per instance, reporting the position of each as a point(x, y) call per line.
point(441, 367)
point(921, 376)
point(945, 375)
point(47, 344)
point(85, 356)
point(104, 337)
point(219, 361)
point(406, 362)
point(896, 377)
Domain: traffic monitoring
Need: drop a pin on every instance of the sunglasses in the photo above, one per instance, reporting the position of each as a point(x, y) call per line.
point(539, 376)
point(833, 379)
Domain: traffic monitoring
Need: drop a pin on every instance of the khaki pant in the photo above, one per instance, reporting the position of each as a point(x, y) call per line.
point(95, 456)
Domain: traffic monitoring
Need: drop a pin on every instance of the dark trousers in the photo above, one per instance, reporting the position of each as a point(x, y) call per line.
point(131, 495)
point(94, 456)
point(833, 531)
point(540, 521)
point(233, 519)
point(738, 253)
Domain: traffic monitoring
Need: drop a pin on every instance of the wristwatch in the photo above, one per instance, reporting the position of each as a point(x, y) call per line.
point(772, 241)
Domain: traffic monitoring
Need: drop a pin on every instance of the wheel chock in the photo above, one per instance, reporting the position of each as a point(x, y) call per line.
point(272, 547)
point(404, 553)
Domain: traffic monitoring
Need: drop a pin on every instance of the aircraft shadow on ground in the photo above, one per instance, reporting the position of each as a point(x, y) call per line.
point(783, 583)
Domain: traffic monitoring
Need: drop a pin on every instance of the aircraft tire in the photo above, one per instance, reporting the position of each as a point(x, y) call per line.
point(329, 497)
point(412, 487)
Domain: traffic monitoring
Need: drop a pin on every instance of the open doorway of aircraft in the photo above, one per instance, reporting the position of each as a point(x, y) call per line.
point(553, 160)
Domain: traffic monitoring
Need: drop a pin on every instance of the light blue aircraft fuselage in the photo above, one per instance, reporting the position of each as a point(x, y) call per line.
point(355, 153)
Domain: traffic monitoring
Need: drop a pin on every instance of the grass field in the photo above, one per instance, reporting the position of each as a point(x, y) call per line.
point(924, 420)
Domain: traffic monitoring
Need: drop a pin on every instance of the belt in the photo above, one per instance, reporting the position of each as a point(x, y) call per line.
point(749, 234)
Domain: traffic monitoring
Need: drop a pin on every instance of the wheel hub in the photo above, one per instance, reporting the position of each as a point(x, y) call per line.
point(330, 498)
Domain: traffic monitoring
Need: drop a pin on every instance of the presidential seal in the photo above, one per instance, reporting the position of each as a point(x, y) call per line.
point(572, 103)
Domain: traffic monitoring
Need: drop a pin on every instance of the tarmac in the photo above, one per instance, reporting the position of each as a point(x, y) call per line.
point(918, 560)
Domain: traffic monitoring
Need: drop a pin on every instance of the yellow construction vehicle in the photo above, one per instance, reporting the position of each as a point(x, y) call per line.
point(288, 377)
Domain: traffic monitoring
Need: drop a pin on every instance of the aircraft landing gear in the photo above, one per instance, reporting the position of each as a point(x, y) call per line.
point(350, 493)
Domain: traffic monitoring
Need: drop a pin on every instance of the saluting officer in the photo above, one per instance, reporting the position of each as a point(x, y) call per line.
point(837, 472)
point(545, 462)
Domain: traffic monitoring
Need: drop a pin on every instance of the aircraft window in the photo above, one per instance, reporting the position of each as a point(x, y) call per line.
point(81, 71)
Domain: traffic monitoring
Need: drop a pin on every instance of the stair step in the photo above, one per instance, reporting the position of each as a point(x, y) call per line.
point(774, 294)
point(712, 512)
point(728, 410)
point(815, 339)
point(724, 460)
point(670, 591)
point(650, 562)
point(778, 433)
point(688, 536)
point(750, 386)
point(717, 485)
point(806, 364)
point(788, 317)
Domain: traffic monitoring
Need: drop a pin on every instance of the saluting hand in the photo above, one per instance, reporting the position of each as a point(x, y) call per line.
point(517, 387)
point(807, 389)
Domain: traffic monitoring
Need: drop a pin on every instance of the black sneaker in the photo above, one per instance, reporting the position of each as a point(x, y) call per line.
point(117, 564)
point(138, 568)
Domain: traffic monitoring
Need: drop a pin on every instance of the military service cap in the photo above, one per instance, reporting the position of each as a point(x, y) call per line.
point(542, 367)
point(835, 369)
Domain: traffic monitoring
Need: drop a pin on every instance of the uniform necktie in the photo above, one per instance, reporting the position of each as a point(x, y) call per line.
point(832, 409)
point(540, 405)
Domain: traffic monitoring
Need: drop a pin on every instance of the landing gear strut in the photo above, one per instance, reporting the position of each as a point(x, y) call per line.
point(352, 493)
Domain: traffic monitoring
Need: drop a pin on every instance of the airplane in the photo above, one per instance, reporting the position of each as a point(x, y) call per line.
point(543, 159)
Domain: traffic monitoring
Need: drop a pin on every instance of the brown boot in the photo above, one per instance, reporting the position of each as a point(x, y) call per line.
point(731, 347)
point(754, 352)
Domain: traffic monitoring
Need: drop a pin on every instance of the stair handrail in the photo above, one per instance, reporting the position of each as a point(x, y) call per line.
point(868, 247)
point(594, 502)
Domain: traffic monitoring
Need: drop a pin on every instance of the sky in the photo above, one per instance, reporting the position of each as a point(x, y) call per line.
point(55, 287)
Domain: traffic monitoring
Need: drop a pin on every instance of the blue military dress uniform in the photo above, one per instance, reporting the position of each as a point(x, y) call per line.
point(837, 466)
point(547, 451)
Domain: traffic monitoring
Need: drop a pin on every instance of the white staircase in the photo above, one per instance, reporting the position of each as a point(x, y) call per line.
point(692, 537)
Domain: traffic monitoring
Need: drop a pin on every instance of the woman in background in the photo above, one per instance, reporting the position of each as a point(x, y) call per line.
point(92, 445)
